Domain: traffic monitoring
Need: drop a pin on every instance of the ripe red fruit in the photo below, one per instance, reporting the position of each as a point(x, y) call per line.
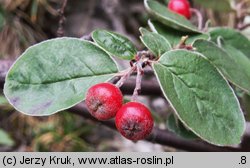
point(134, 121)
point(103, 100)
point(181, 7)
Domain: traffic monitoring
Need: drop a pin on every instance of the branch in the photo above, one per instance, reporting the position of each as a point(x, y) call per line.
point(60, 30)
point(244, 26)
point(148, 87)
point(164, 137)
point(160, 136)
point(241, 13)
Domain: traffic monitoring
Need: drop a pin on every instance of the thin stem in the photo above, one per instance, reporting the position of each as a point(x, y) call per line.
point(182, 44)
point(125, 75)
point(138, 81)
point(240, 6)
point(207, 24)
point(60, 31)
point(199, 17)
point(87, 37)
point(241, 13)
point(244, 26)
point(146, 54)
point(182, 41)
point(219, 41)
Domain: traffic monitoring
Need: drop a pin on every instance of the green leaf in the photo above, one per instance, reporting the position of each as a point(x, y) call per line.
point(5, 139)
point(115, 44)
point(172, 35)
point(235, 70)
point(179, 129)
point(144, 31)
point(55, 75)
point(201, 97)
point(221, 5)
point(240, 59)
point(156, 43)
point(171, 19)
point(233, 38)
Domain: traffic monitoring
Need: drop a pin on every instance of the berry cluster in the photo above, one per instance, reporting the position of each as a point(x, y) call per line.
point(181, 7)
point(133, 120)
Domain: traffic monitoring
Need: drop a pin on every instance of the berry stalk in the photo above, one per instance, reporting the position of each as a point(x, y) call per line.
point(199, 17)
point(138, 81)
point(124, 76)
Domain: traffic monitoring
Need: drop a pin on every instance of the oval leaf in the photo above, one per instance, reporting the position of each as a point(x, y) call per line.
point(221, 5)
point(156, 43)
point(233, 38)
point(238, 74)
point(115, 44)
point(171, 19)
point(201, 97)
point(174, 36)
point(55, 75)
point(174, 125)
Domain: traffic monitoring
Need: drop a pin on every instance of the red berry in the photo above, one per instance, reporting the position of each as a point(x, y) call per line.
point(181, 7)
point(134, 121)
point(103, 100)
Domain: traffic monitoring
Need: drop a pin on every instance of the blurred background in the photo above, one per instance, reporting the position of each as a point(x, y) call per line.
point(27, 22)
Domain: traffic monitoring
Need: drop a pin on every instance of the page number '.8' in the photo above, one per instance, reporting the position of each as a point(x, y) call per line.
point(243, 160)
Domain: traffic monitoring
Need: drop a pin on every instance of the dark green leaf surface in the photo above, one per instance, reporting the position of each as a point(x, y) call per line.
point(201, 97)
point(165, 16)
point(172, 35)
point(236, 71)
point(55, 75)
point(179, 129)
point(115, 44)
point(233, 38)
point(219, 5)
point(156, 43)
